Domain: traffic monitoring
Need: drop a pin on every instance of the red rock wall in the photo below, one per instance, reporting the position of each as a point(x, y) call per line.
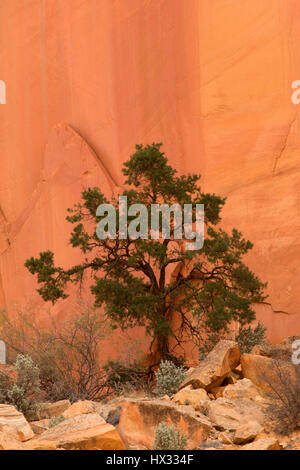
point(88, 79)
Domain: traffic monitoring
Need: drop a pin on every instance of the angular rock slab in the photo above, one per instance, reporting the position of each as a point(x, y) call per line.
point(247, 432)
point(268, 374)
point(84, 432)
point(82, 407)
point(139, 419)
point(229, 415)
point(51, 410)
point(243, 389)
point(13, 423)
point(189, 396)
point(215, 367)
point(8, 442)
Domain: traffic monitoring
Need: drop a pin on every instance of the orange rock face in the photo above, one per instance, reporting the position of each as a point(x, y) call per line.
point(269, 375)
point(139, 419)
point(210, 78)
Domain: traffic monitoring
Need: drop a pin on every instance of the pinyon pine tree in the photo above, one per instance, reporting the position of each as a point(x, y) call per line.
point(130, 277)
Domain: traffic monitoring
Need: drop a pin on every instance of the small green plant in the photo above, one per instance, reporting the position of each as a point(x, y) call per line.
point(56, 420)
point(248, 337)
point(168, 378)
point(22, 392)
point(169, 438)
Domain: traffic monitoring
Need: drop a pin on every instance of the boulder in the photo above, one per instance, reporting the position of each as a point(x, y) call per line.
point(40, 426)
point(13, 423)
point(268, 374)
point(84, 432)
point(82, 407)
point(229, 415)
point(111, 413)
point(189, 396)
point(243, 389)
point(8, 442)
point(268, 443)
point(247, 432)
point(50, 410)
point(282, 351)
point(139, 419)
point(215, 367)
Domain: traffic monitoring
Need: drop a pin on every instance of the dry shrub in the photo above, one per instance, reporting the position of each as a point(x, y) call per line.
point(284, 396)
point(67, 353)
point(128, 379)
point(128, 372)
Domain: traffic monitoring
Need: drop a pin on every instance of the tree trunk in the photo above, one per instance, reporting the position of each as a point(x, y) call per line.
point(163, 347)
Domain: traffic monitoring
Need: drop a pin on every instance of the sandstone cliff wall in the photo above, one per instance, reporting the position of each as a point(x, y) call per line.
point(88, 79)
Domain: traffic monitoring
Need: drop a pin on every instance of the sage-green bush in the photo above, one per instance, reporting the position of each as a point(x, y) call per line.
point(168, 378)
point(55, 420)
point(23, 392)
point(169, 438)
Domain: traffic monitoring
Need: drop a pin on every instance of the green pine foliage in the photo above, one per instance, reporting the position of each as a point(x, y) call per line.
point(130, 277)
point(249, 337)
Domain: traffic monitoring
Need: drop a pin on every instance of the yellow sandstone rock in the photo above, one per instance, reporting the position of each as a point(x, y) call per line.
point(139, 418)
point(189, 396)
point(13, 423)
point(50, 410)
point(215, 367)
point(84, 432)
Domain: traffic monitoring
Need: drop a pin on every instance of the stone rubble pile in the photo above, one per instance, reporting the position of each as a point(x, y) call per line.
point(220, 405)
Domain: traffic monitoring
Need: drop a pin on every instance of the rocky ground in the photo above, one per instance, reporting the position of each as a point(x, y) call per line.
point(222, 404)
